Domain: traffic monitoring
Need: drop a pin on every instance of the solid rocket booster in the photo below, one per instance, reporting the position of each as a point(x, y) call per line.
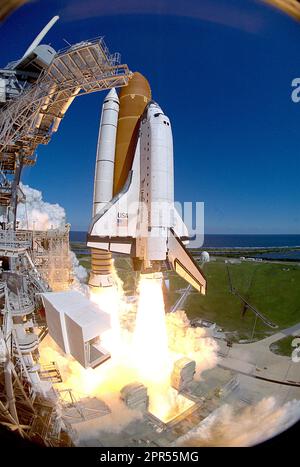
point(101, 260)
point(104, 171)
point(133, 100)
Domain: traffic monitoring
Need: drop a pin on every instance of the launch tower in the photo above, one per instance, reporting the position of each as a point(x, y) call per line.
point(35, 93)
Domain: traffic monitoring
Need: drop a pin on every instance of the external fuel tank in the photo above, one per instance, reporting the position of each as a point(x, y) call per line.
point(133, 99)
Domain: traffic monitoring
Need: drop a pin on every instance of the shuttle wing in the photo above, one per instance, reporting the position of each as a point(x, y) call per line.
point(184, 264)
point(114, 228)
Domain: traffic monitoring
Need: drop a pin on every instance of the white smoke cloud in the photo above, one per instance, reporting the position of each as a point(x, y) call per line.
point(80, 275)
point(116, 421)
point(228, 426)
point(191, 342)
point(79, 271)
point(37, 214)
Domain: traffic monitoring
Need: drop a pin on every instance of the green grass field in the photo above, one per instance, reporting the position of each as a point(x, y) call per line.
point(270, 287)
point(283, 346)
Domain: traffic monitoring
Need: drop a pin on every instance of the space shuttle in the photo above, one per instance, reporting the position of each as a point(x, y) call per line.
point(133, 206)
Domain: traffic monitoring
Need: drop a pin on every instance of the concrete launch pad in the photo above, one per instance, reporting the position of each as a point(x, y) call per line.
point(218, 387)
point(148, 430)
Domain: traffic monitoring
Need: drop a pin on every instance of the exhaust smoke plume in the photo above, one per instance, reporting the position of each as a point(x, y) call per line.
point(79, 271)
point(228, 426)
point(143, 353)
point(193, 343)
point(114, 422)
point(37, 214)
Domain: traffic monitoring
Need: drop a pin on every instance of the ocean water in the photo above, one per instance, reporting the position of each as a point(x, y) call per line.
point(291, 255)
point(253, 240)
point(229, 241)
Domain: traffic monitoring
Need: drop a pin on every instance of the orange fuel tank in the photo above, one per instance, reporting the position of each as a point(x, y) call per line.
point(133, 99)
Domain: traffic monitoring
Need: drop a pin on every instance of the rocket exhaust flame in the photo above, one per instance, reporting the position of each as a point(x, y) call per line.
point(142, 354)
point(150, 340)
point(151, 357)
point(110, 300)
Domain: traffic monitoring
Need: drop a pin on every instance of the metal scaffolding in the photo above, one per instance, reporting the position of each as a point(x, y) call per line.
point(31, 119)
point(32, 262)
point(51, 257)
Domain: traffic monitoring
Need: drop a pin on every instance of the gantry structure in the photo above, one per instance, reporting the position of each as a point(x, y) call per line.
point(35, 111)
point(35, 93)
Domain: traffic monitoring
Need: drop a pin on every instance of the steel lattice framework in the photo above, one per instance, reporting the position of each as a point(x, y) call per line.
point(30, 119)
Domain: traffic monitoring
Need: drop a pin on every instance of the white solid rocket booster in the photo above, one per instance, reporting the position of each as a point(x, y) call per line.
point(103, 184)
point(104, 171)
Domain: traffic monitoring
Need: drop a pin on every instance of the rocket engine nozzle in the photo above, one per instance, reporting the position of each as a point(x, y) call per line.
point(101, 269)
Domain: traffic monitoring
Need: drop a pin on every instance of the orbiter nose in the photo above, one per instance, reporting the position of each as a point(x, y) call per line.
point(153, 109)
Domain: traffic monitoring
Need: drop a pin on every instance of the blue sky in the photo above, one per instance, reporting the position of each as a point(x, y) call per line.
point(221, 70)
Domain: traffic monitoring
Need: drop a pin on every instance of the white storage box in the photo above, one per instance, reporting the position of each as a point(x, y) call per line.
point(76, 325)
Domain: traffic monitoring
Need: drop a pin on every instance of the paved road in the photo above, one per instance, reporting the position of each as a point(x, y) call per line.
point(258, 360)
point(293, 330)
